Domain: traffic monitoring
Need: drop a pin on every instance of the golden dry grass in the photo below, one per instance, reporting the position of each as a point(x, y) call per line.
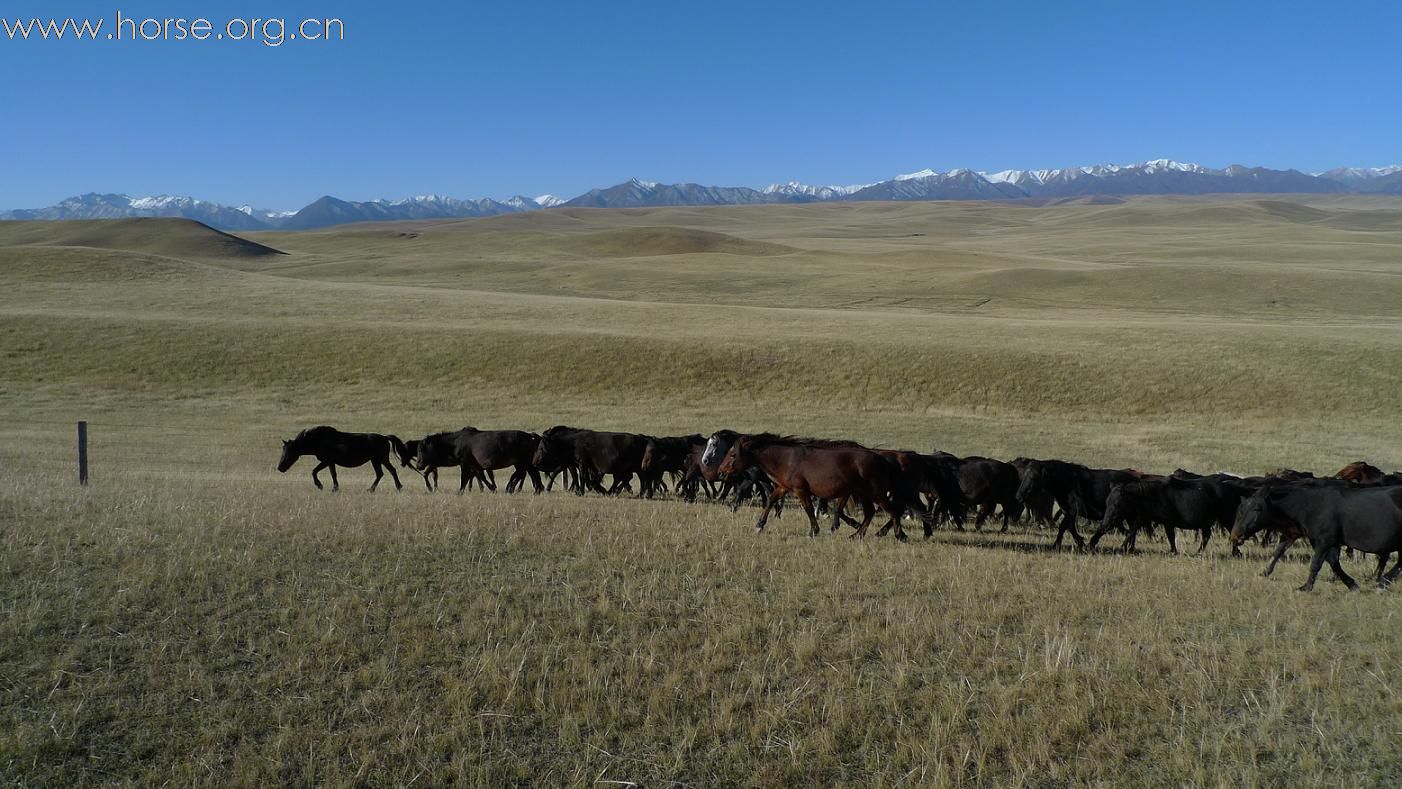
point(195, 618)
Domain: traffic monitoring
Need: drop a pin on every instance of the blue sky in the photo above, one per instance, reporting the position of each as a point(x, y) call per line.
point(474, 99)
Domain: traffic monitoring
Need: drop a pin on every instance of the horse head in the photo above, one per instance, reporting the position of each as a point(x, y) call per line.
point(1030, 486)
point(1116, 508)
point(717, 446)
point(547, 451)
point(1251, 516)
point(739, 457)
point(289, 456)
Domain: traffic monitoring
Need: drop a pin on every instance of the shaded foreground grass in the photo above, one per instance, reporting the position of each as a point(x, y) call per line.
point(250, 633)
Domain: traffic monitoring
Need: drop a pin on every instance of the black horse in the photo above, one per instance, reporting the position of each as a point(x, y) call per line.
point(1177, 503)
point(335, 448)
point(1367, 519)
point(1080, 492)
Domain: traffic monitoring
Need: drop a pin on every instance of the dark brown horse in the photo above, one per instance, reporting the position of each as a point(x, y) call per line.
point(440, 450)
point(668, 455)
point(479, 452)
point(494, 449)
point(835, 470)
point(335, 448)
point(593, 454)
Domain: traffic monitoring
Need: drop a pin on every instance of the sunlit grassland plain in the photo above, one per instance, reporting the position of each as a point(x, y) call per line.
point(194, 617)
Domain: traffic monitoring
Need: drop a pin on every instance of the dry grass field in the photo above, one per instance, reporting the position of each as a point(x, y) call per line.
point(192, 617)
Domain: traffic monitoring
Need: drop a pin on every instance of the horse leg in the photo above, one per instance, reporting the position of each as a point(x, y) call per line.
point(316, 481)
point(868, 513)
point(838, 507)
point(1068, 524)
point(379, 474)
point(773, 499)
point(839, 513)
point(1340, 574)
point(1206, 535)
point(1316, 562)
point(536, 485)
point(1395, 571)
point(885, 527)
point(896, 514)
point(1132, 539)
point(1100, 532)
point(467, 475)
point(806, 501)
point(1172, 543)
point(924, 509)
point(1279, 554)
point(595, 482)
point(394, 475)
point(1382, 565)
point(984, 510)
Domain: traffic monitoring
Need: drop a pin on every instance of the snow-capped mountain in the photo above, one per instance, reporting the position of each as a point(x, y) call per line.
point(114, 206)
point(323, 212)
point(1353, 175)
point(328, 210)
point(1153, 177)
point(1158, 176)
point(796, 189)
point(637, 193)
point(959, 184)
point(264, 214)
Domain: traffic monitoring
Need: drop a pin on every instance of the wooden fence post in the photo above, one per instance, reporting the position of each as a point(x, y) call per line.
point(82, 452)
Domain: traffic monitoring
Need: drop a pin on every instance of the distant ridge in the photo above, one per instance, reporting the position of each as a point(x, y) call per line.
point(1155, 177)
point(165, 236)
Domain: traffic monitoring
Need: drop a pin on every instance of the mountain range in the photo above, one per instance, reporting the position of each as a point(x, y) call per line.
point(1157, 177)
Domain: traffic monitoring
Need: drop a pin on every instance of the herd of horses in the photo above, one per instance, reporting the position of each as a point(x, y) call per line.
point(1358, 508)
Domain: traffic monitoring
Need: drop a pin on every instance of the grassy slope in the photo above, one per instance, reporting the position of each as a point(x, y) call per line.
point(197, 617)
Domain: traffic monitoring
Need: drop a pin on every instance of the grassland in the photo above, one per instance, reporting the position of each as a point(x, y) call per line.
point(193, 617)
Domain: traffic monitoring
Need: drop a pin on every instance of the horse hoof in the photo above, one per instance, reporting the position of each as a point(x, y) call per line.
point(1304, 588)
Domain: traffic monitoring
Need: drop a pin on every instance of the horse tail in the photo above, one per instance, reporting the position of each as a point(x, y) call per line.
point(399, 449)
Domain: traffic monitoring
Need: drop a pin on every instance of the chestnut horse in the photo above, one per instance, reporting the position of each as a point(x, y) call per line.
point(836, 470)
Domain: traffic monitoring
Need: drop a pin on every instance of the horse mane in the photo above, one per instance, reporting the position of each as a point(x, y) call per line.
point(309, 431)
point(1062, 466)
point(767, 439)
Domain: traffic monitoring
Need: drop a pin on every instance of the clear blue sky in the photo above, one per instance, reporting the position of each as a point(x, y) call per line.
point(492, 99)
